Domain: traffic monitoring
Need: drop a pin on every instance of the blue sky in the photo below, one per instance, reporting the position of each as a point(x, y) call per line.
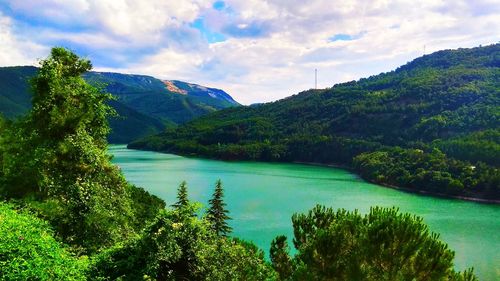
point(256, 50)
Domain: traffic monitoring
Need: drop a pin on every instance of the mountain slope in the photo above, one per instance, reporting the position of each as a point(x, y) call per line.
point(144, 103)
point(130, 123)
point(15, 99)
point(152, 96)
point(213, 97)
point(447, 102)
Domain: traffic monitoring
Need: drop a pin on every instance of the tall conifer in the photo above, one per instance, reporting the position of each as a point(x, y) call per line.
point(182, 196)
point(217, 214)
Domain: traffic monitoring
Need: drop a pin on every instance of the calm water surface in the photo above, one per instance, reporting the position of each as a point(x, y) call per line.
point(262, 197)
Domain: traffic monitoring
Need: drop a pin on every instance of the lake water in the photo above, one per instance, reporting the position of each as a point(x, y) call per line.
point(262, 197)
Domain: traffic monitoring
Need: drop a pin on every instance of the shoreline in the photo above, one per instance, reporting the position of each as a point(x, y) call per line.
point(404, 189)
point(439, 195)
point(347, 168)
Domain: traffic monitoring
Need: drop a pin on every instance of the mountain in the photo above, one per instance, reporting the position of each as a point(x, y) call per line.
point(15, 99)
point(432, 125)
point(146, 105)
point(130, 124)
point(169, 101)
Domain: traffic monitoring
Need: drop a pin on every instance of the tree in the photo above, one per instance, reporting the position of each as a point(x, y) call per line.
point(217, 214)
point(382, 245)
point(182, 196)
point(280, 259)
point(177, 246)
point(58, 155)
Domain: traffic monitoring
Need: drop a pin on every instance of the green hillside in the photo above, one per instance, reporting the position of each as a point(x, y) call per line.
point(152, 97)
point(144, 103)
point(432, 125)
point(130, 123)
point(15, 98)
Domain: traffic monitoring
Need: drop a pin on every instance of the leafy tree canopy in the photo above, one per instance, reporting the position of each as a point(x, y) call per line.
point(381, 245)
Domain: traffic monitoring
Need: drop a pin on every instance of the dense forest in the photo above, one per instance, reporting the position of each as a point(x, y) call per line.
point(432, 125)
point(144, 105)
point(67, 213)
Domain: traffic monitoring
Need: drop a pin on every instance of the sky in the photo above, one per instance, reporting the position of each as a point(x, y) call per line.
point(256, 50)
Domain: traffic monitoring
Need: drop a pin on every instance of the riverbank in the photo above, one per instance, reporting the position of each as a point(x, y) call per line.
point(350, 169)
point(435, 194)
point(409, 190)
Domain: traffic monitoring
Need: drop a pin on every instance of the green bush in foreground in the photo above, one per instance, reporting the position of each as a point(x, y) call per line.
point(179, 246)
point(381, 245)
point(28, 250)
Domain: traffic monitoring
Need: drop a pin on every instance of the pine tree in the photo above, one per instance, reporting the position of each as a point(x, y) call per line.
point(280, 259)
point(381, 245)
point(182, 196)
point(217, 214)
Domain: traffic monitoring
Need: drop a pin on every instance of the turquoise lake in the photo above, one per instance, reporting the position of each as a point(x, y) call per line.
point(262, 197)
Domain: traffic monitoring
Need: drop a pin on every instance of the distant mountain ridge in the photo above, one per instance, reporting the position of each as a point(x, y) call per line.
point(146, 105)
point(185, 88)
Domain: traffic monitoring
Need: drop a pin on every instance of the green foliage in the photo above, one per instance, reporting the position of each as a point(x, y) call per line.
point(3, 130)
point(178, 246)
point(67, 131)
point(217, 213)
point(280, 259)
point(429, 171)
point(28, 250)
point(233, 259)
point(145, 206)
point(182, 196)
point(483, 146)
point(448, 100)
point(382, 245)
point(57, 156)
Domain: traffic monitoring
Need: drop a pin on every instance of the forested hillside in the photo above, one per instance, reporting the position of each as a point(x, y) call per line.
point(145, 105)
point(431, 125)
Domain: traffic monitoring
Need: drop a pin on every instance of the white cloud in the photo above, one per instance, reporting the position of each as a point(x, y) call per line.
point(280, 44)
point(52, 10)
point(15, 50)
point(130, 20)
point(142, 19)
point(171, 64)
point(282, 63)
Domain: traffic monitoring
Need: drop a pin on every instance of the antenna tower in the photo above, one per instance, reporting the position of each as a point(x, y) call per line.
point(315, 78)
